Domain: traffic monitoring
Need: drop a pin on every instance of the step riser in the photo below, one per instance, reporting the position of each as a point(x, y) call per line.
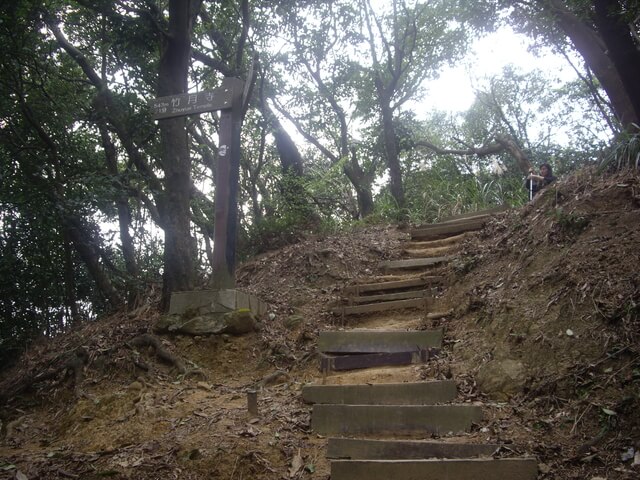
point(392, 285)
point(383, 306)
point(390, 297)
point(427, 393)
point(372, 360)
point(474, 469)
point(393, 420)
point(378, 342)
point(413, 263)
point(358, 449)
point(445, 230)
point(487, 211)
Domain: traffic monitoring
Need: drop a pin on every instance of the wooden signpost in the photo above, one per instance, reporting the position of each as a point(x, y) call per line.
point(229, 99)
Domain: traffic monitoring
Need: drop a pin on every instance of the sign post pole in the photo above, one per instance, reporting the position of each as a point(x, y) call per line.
point(228, 99)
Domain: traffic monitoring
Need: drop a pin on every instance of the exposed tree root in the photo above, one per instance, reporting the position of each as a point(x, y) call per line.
point(147, 340)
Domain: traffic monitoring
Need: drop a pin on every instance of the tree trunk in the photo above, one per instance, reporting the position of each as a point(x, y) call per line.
point(391, 151)
point(124, 217)
point(621, 48)
point(361, 184)
point(593, 50)
point(179, 246)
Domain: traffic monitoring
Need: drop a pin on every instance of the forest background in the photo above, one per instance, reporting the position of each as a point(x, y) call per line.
point(102, 208)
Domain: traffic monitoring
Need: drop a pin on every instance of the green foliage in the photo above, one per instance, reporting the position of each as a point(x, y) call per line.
point(624, 152)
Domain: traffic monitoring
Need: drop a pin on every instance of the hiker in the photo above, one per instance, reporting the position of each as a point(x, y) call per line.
point(534, 183)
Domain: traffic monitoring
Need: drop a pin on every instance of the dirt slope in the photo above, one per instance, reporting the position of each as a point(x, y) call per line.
point(545, 298)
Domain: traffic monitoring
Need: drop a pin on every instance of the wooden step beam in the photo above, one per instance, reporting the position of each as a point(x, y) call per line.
point(338, 363)
point(450, 469)
point(378, 341)
point(382, 306)
point(418, 393)
point(486, 211)
point(413, 263)
point(365, 449)
point(401, 420)
point(443, 242)
point(393, 285)
point(443, 230)
point(387, 297)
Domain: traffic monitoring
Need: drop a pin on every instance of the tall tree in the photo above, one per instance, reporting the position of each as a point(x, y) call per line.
point(604, 32)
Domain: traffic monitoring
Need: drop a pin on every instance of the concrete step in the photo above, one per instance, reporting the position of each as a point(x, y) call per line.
point(421, 281)
point(397, 420)
point(413, 263)
point(370, 360)
point(365, 449)
point(421, 302)
point(419, 393)
point(438, 231)
point(378, 341)
point(451, 469)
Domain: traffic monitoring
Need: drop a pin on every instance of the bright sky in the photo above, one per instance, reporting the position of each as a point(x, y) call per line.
point(454, 89)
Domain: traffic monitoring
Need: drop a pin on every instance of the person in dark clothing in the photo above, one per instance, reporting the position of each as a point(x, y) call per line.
point(534, 183)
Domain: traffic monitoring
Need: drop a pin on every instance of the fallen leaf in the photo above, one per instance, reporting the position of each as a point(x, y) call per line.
point(21, 476)
point(297, 464)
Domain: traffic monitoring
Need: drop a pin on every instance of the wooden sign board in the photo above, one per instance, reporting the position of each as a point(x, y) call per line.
point(198, 102)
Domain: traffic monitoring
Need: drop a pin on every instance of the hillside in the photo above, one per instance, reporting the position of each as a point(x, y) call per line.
point(543, 328)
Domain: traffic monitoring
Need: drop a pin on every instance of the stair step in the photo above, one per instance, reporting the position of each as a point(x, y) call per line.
point(437, 231)
point(364, 449)
point(393, 285)
point(478, 213)
point(454, 241)
point(369, 360)
point(402, 420)
point(413, 262)
point(387, 297)
point(431, 252)
point(450, 469)
point(378, 341)
point(419, 393)
point(421, 302)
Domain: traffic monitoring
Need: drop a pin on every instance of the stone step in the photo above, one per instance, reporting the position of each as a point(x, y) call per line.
point(369, 360)
point(397, 420)
point(438, 231)
point(365, 449)
point(413, 263)
point(378, 341)
point(421, 281)
point(386, 297)
point(450, 469)
point(422, 302)
point(419, 393)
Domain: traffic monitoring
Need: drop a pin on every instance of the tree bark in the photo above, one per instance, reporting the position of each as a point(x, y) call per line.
point(179, 246)
point(621, 48)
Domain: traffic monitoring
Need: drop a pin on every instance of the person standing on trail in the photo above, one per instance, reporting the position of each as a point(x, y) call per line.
point(534, 183)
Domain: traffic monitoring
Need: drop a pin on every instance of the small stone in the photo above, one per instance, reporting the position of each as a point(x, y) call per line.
point(629, 454)
point(569, 332)
point(272, 316)
point(544, 468)
point(135, 386)
point(204, 386)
